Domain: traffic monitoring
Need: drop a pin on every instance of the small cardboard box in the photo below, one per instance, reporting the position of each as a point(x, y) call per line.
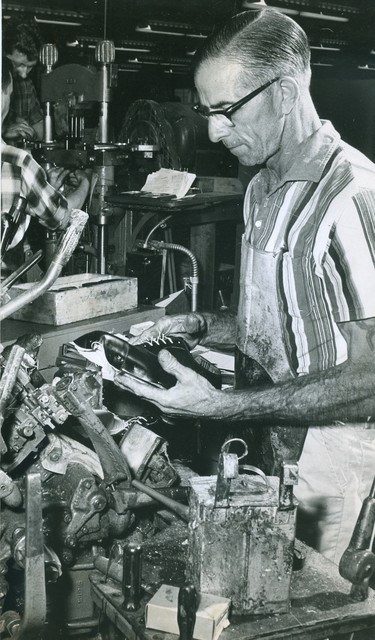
point(211, 616)
point(79, 297)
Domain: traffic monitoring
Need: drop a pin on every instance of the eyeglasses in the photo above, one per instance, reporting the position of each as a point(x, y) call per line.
point(206, 112)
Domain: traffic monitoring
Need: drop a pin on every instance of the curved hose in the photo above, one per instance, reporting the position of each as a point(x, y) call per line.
point(159, 244)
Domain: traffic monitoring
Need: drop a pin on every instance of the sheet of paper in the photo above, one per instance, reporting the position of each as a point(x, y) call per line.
point(169, 181)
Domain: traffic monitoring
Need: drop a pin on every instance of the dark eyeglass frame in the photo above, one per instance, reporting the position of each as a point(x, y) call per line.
point(206, 112)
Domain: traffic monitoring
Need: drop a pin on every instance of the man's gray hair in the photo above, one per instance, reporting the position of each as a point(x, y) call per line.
point(265, 42)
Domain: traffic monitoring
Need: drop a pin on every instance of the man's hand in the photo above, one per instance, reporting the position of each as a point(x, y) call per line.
point(19, 129)
point(57, 176)
point(192, 396)
point(79, 176)
point(191, 327)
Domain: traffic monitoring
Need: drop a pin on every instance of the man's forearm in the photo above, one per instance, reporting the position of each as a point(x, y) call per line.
point(339, 394)
point(77, 198)
point(220, 328)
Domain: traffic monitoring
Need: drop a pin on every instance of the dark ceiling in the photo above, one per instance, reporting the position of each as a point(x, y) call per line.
point(166, 32)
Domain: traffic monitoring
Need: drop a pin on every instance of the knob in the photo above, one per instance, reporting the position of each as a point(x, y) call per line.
point(48, 56)
point(105, 52)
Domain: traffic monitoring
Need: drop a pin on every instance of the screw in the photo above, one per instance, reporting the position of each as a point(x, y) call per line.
point(99, 503)
point(67, 518)
point(55, 456)
point(27, 432)
point(87, 484)
point(70, 541)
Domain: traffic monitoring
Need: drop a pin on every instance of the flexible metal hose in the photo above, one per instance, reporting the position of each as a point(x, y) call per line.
point(65, 248)
point(159, 244)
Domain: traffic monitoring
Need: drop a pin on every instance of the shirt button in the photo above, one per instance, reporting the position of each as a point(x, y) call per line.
point(258, 223)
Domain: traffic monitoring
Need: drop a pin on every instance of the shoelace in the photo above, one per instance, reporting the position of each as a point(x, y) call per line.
point(161, 338)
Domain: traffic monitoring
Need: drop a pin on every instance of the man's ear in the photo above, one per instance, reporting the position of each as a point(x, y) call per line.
point(290, 93)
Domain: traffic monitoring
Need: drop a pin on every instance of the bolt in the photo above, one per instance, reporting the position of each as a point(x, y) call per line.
point(55, 456)
point(99, 503)
point(84, 529)
point(27, 432)
point(67, 518)
point(70, 541)
point(87, 484)
point(67, 556)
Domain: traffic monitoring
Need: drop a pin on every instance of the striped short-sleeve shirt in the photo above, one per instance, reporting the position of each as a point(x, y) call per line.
point(321, 216)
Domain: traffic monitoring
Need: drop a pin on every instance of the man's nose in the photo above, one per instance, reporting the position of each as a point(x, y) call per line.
point(217, 129)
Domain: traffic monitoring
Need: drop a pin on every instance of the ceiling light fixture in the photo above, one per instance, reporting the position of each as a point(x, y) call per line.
point(324, 48)
point(322, 64)
point(149, 29)
point(289, 12)
point(159, 64)
point(365, 67)
point(135, 49)
point(322, 16)
point(64, 23)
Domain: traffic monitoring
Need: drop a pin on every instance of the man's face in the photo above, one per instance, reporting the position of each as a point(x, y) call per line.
point(254, 135)
point(5, 100)
point(22, 66)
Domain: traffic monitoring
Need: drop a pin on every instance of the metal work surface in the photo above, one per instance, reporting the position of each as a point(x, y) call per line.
point(321, 606)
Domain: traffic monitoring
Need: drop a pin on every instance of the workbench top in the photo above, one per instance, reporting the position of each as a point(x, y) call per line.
point(320, 603)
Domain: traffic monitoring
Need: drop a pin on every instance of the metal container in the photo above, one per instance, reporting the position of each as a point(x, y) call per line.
point(242, 548)
point(78, 297)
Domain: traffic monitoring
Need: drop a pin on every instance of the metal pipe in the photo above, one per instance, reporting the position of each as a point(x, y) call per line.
point(159, 224)
point(66, 246)
point(173, 505)
point(8, 381)
point(194, 279)
point(13, 277)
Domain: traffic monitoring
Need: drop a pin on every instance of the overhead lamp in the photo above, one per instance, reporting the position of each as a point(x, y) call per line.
point(365, 67)
point(65, 23)
point(159, 64)
point(135, 49)
point(324, 48)
point(322, 16)
point(373, 52)
point(322, 64)
point(149, 29)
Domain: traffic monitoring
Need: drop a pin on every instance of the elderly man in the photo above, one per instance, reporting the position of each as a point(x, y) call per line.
point(21, 175)
point(21, 44)
point(305, 327)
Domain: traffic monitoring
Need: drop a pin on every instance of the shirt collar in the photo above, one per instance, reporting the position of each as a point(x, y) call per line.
point(311, 158)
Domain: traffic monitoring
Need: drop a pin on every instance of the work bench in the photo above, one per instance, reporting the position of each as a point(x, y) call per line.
point(320, 602)
point(200, 213)
point(54, 336)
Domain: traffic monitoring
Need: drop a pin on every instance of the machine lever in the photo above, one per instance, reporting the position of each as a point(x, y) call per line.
point(132, 576)
point(186, 611)
point(357, 563)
